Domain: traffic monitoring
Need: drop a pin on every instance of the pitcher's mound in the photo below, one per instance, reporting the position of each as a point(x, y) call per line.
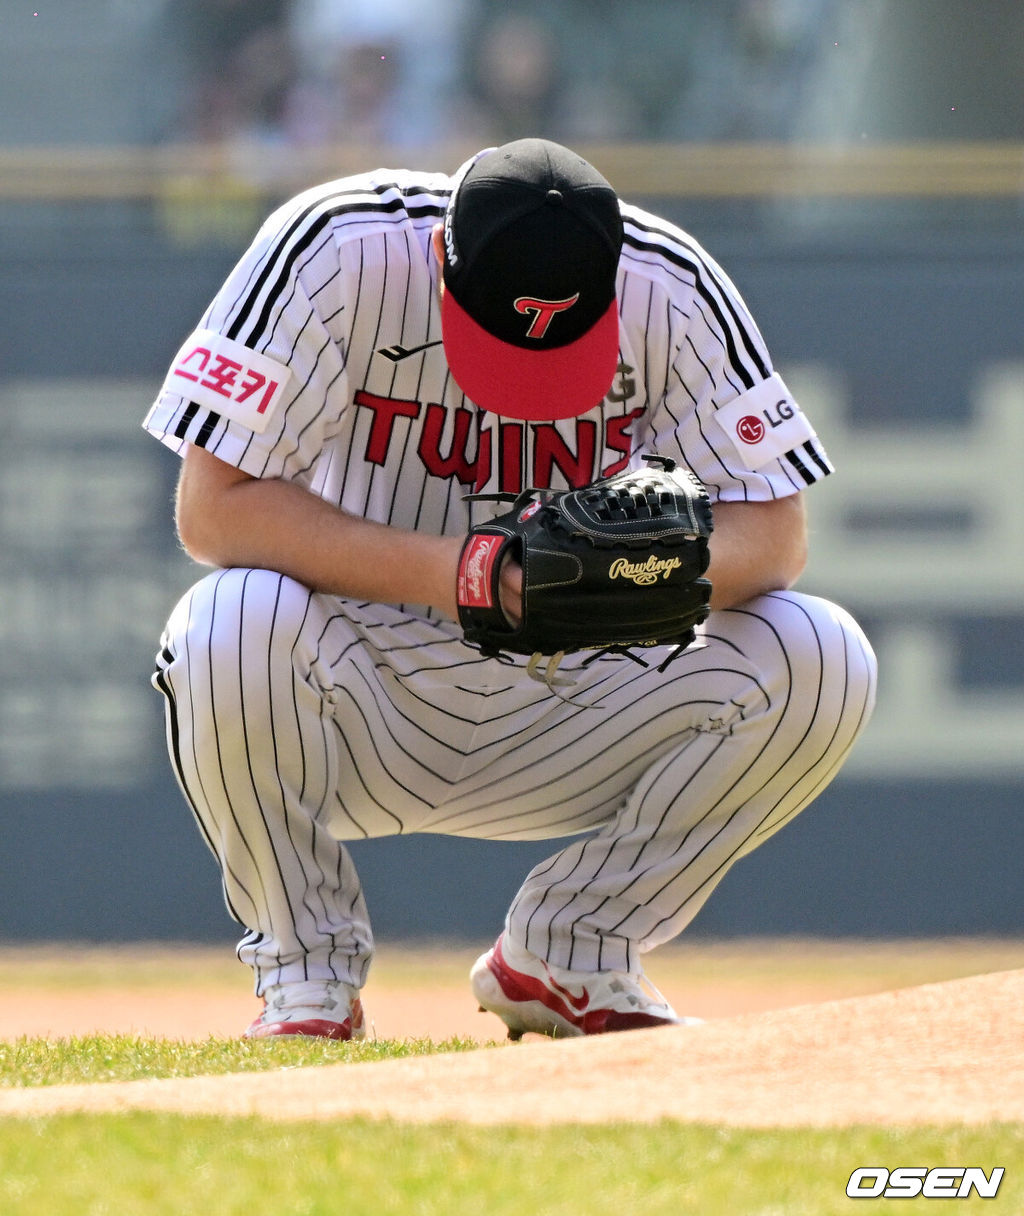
point(946, 1052)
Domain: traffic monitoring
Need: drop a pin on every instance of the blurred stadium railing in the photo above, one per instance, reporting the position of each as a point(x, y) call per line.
point(728, 170)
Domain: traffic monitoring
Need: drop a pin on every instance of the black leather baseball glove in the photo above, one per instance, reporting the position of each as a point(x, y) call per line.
point(613, 566)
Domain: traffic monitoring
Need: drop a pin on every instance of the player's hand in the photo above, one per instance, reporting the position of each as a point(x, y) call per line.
point(614, 564)
point(510, 591)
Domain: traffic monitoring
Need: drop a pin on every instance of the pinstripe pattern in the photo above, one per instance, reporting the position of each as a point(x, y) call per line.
point(345, 271)
point(302, 721)
point(297, 722)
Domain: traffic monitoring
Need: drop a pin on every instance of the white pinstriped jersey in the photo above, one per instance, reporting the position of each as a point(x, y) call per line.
point(320, 361)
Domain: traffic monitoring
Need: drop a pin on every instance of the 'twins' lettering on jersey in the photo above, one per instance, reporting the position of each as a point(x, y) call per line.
point(482, 450)
point(320, 361)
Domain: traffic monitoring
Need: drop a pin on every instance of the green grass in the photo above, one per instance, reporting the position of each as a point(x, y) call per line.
point(148, 1164)
point(28, 1061)
point(144, 1164)
point(159, 1165)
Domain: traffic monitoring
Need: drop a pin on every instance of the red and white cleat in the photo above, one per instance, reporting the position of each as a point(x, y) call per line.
point(328, 1009)
point(529, 995)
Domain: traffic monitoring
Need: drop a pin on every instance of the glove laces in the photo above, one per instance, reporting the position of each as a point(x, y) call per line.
point(546, 673)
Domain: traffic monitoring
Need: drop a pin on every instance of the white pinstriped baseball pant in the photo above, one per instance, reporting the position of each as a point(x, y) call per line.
point(297, 721)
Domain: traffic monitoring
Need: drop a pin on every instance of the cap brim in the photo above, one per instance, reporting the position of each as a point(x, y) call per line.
point(533, 385)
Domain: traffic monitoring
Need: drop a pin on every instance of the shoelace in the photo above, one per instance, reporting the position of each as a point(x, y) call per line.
point(311, 994)
point(632, 988)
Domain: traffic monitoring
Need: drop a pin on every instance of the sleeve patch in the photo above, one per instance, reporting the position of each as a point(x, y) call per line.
point(226, 376)
point(764, 423)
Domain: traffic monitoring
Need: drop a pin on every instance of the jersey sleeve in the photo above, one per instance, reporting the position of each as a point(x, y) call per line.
point(261, 382)
point(716, 401)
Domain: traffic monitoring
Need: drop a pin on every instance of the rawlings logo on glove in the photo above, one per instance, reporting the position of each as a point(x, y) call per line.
point(615, 565)
point(643, 575)
point(476, 571)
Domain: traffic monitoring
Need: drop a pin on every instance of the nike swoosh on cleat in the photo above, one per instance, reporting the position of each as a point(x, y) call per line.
point(578, 1003)
point(398, 352)
point(518, 986)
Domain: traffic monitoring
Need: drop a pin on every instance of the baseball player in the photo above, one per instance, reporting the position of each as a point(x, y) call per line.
point(390, 348)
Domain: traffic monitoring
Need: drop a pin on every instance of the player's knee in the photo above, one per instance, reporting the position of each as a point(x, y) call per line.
point(239, 617)
point(832, 664)
point(833, 638)
point(233, 647)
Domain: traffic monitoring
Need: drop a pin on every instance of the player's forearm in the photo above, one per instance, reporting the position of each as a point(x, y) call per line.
point(755, 548)
point(277, 525)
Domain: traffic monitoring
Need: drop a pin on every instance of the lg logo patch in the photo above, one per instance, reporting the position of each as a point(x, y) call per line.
point(750, 429)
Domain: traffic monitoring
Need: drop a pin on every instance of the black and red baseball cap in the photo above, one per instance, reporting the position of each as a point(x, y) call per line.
point(532, 236)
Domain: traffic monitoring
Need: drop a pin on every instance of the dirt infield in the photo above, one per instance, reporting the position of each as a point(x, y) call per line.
point(935, 1053)
point(848, 1049)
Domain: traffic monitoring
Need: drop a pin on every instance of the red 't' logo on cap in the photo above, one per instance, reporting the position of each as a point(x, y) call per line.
point(543, 311)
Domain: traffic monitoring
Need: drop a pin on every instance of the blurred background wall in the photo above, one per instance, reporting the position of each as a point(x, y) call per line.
point(857, 166)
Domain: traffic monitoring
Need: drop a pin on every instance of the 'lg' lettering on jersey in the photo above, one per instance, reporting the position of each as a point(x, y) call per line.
point(471, 457)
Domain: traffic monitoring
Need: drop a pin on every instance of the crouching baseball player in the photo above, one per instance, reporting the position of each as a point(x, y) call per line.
point(503, 501)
